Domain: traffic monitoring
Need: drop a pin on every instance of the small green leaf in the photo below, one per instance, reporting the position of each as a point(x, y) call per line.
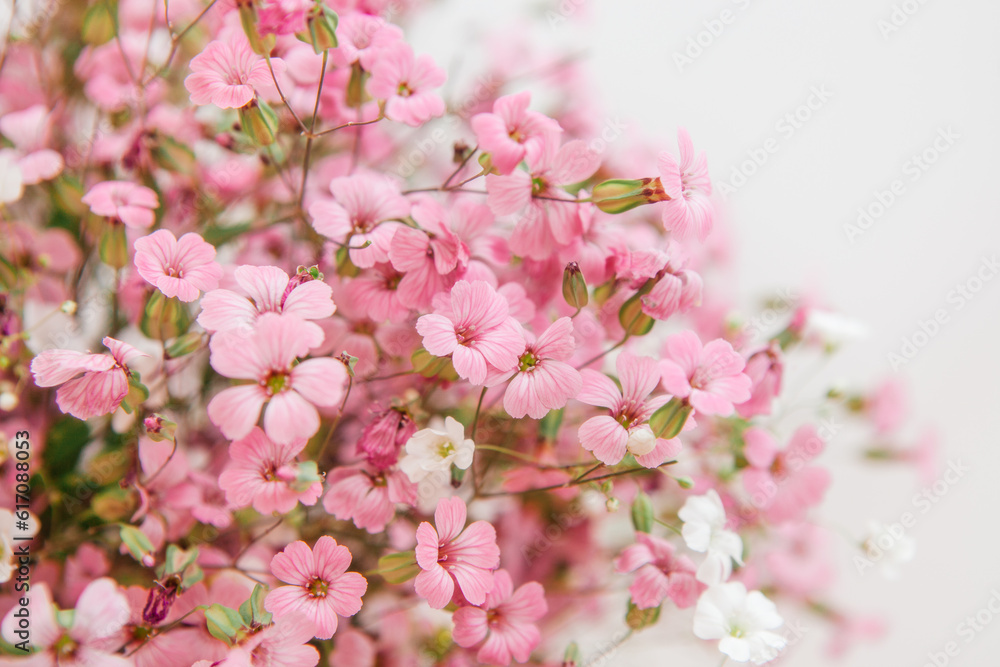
point(136, 542)
point(638, 619)
point(224, 623)
point(399, 567)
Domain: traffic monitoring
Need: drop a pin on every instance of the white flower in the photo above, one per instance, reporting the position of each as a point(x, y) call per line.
point(431, 450)
point(889, 547)
point(11, 181)
point(741, 622)
point(704, 530)
point(834, 328)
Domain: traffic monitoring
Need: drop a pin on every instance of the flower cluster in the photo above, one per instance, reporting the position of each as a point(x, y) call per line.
point(364, 408)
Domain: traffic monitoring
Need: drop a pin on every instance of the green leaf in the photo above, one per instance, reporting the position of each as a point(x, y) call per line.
point(218, 235)
point(548, 427)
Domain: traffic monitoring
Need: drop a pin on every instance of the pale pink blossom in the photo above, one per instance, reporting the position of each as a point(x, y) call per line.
point(452, 554)
point(29, 130)
point(710, 378)
point(510, 130)
point(673, 293)
point(544, 225)
point(781, 484)
point(801, 564)
point(404, 82)
point(660, 573)
point(283, 17)
point(91, 636)
point(364, 215)
point(474, 327)
point(291, 390)
point(543, 380)
point(92, 384)
point(280, 644)
point(367, 496)
point(319, 584)
point(689, 211)
point(228, 74)
point(264, 474)
point(506, 621)
point(427, 256)
point(362, 36)
point(267, 290)
point(765, 368)
point(181, 268)
point(378, 289)
point(125, 201)
point(625, 430)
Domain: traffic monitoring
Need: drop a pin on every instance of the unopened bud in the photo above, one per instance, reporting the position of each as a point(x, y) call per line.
point(618, 196)
point(68, 307)
point(321, 28)
point(642, 513)
point(632, 317)
point(574, 286)
point(8, 401)
point(259, 122)
point(159, 429)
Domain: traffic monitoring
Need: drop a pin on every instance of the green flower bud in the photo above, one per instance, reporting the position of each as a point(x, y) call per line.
point(574, 286)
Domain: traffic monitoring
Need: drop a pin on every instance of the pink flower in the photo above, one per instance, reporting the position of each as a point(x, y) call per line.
point(508, 132)
point(659, 573)
point(450, 555)
point(404, 81)
point(320, 585)
point(543, 380)
point(506, 620)
point(368, 497)
point(264, 474)
point(780, 483)
point(283, 17)
point(384, 436)
point(29, 130)
point(128, 202)
point(361, 217)
point(765, 369)
point(281, 644)
point(544, 225)
point(92, 384)
point(378, 289)
point(178, 268)
point(427, 257)
point(689, 209)
point(229, 74)
point(270, 291)
point(673, 293)
point(801, 565)
point(290, 390)
point(710, 378)
point(362, 36)
point(625, 430)
point(94, 634)
point(475, 329)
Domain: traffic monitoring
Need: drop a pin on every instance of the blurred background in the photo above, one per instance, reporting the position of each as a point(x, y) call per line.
point(853, 147)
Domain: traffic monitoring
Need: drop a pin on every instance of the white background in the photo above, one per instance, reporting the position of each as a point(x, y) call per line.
point(890, 94)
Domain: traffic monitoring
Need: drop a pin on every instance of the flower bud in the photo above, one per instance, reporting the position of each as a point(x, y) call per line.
point(632, 317)
point(68, 307)
point(618, 196)
point(259, 122)
point(8, 401)
point(164, 317)
point(669, 420)
point(574, 286)
point(261, 45)
point(113, 246)
point(642, 513)
point(322, 28)
point(159, 429)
